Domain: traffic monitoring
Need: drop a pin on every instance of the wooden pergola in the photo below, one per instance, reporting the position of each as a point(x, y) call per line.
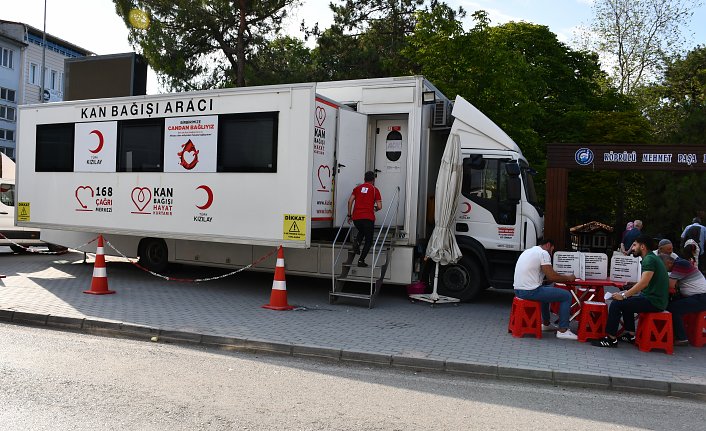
point(607, 157)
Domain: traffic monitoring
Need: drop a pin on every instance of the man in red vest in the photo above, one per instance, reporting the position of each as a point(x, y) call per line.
point(367, 200)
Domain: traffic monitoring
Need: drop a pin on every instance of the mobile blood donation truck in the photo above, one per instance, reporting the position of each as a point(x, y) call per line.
point(220, 177)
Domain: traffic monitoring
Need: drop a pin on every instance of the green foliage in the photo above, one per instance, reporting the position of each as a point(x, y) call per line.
point(203, 44)
point(282, 61)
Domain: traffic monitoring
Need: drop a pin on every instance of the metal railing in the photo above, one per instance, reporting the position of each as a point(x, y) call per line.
point(377, 248)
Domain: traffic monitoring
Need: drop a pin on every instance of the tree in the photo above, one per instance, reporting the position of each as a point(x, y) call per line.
point(635, 37)
point(365, 40)
point(282, 61)
point(203, 44)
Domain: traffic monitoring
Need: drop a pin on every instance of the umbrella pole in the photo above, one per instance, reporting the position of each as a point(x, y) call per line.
point(434, 294)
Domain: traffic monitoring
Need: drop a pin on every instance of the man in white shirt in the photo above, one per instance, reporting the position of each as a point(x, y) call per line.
point(533, 265)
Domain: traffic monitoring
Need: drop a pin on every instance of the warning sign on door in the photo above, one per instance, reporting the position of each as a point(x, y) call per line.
point(23, 211)
point(294, 227)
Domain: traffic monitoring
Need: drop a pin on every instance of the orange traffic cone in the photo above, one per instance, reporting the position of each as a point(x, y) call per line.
point(278, 298)
point(99, 284)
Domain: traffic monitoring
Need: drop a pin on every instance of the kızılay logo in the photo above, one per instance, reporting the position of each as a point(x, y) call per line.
point(584, 156)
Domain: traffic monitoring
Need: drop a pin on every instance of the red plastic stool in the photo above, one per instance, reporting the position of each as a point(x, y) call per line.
point(525, 318)
point(592, 320)
point(654, 331)
point(696, 328)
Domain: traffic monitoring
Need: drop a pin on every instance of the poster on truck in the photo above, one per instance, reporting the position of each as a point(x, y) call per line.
point(95, 146)
point(324, 139)
point(190, 144)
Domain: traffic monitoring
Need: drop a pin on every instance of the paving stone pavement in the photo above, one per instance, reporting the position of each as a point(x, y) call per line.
point(468, 338)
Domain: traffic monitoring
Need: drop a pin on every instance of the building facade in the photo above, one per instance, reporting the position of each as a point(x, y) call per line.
point(21, 52)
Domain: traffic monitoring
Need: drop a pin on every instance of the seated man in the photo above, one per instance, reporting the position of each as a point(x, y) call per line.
point(532, 266)
point(648, 295)
point(690, 284)
point(665, 246)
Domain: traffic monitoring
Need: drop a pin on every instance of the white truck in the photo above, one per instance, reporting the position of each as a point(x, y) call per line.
point(219, 177)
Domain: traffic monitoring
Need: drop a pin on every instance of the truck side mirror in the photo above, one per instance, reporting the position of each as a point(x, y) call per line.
point(514, 184)
point(476, 161)
point(512, 169)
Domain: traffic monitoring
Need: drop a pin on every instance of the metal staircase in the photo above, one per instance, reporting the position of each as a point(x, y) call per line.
point(363, 283)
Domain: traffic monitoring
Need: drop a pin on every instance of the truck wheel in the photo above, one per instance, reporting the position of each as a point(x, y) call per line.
point(57, 248)
point(18, 249)
point(153, 254)
point(461, 280)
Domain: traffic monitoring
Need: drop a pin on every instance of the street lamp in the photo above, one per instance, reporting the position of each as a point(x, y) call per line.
point(44, 52)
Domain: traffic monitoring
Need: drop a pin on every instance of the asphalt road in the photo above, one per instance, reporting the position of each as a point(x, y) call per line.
point(53, 380)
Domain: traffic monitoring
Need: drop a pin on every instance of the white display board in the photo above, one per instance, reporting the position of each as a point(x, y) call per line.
point(586, 266)
point(625, 268)
point(265, 208)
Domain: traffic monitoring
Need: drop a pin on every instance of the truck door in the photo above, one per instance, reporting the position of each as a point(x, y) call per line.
point(391, 148)
point(489, 209)
point(350, 159)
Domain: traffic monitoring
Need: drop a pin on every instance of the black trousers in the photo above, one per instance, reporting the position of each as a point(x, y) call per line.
point(365, 235)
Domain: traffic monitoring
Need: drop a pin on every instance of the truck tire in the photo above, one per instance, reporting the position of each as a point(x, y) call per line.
point(59, 249)
point(17, 249)
point(153, 254)
point(462, 280)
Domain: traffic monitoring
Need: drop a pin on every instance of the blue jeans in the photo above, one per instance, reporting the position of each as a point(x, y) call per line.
point(627, 309)
point(682, 306)
point(547, 294)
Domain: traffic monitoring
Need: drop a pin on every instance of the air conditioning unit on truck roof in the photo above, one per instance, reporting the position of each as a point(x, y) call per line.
point(220, 177)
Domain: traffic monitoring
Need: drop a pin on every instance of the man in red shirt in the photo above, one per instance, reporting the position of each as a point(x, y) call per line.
point(367, 200)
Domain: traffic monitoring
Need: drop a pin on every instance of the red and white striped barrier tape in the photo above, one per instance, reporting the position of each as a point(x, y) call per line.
point(191, 280)
point(32, 250)
point(135, 263)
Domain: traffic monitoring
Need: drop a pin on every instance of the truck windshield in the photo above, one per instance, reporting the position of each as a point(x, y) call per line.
point(7, 194)
point(528, 180)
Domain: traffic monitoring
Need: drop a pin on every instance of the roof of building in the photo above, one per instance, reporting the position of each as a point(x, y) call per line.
point(591, 226)
point(50, 38)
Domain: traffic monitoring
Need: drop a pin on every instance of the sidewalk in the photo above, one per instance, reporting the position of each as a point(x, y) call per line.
point(468, 338)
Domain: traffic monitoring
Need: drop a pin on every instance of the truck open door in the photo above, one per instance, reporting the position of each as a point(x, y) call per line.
point(350, 159)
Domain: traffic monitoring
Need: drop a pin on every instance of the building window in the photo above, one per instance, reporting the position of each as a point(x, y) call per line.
point(7, 113)
point(9, 152)
point(6, 58)
point(247, 142)
point(33, 76)
point(7, 135)
point(7, 94)
point(53, 79)
point(55, 148)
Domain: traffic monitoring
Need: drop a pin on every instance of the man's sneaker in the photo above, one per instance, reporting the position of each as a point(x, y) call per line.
point(566, 335)
point(681, 342)
point(362, 264)
point(549, 327)
point(627, 337)
point(605, 342)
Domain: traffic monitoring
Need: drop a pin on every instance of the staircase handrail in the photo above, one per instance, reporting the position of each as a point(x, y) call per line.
point(385, 225)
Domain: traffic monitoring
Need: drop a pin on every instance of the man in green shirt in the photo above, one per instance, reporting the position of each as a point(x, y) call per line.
point(649, 295)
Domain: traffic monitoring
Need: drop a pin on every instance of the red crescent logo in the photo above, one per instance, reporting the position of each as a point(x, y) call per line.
point(467, 208)
point(209, 201)
point(100, 141)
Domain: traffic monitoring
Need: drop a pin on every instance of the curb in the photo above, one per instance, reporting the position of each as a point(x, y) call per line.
point(455, 367)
